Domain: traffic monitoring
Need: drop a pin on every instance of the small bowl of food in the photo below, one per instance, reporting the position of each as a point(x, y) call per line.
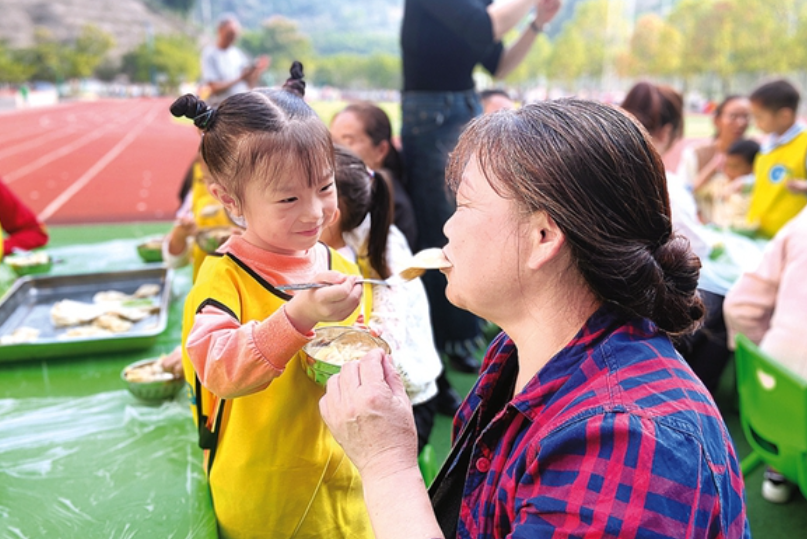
point(30, 263)
point(333, 346)
point(151, 250)
point(150, 382)
point(210, 239)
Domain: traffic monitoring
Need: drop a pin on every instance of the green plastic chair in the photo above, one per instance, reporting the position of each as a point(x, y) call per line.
point(773, 413)
point(427, 462)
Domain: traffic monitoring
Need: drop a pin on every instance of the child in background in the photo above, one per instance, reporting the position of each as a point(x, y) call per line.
point(495, 99)
point(780, 189)
point(364, 232)
point(20, 226)
point(769, 306)
point(735, 197)
point(274, 469)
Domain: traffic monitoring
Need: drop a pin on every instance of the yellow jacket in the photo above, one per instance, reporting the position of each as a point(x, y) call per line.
point(274, 468)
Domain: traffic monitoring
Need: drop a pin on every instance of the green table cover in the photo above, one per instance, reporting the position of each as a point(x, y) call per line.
point(79, 455)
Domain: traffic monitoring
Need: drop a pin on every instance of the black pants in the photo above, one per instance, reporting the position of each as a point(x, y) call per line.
point(424, 420)
point(706, 350)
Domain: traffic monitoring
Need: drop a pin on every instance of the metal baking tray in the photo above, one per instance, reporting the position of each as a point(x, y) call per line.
point(30, 299)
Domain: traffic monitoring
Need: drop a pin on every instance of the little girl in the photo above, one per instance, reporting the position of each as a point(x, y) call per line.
point(364, 232)
point(273, 467)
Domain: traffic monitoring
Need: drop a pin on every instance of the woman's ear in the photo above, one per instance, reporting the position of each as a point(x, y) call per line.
point(545, 240)
point(379, 154)
point(229, 203)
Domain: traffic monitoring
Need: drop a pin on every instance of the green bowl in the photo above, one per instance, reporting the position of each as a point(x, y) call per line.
point(210, 239)
point(152, 392)
point(151, 251)
point(18, 265)
point(320, 370)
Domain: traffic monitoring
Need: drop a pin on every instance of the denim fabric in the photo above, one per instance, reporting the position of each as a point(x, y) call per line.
point(431, 125)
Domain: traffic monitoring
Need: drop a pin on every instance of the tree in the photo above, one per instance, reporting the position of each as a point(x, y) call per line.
point(280, 39)
point(88, 51)
point(655, 48)
point(568, 57)
point(171, 59)
point(535, 64)
point(46, 57)
point(13, 67)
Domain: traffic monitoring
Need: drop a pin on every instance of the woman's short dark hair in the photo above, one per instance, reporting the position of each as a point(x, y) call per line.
point(655, 107)
point(595, 172)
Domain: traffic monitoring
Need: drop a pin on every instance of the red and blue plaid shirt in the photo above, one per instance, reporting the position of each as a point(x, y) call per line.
point(614, 437)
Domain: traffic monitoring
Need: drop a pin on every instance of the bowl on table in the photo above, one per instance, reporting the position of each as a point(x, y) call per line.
point(151, 250)
point(333, 346)
point(30, 263)
point(211, 238)
point(147, 381)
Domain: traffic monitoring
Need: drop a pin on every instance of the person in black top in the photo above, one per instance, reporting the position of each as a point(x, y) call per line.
point(442, 42)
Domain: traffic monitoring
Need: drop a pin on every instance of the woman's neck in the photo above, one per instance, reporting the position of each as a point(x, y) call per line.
point(722, 143)
point(547, 326)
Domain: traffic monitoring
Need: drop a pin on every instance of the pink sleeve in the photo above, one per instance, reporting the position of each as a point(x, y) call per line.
point(749, 304)
point(233, 360)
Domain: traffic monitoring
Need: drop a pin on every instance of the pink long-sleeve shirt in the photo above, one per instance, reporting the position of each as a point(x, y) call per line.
point(234, 359)
point(769, 304)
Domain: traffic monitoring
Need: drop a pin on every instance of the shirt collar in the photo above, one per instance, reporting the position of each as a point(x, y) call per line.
point(773, 141)
point(578, 361)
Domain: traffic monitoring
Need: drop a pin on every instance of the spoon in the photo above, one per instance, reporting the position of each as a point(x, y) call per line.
point(424, 260)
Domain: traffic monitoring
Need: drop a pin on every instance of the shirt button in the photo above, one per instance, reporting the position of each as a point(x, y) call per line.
point(483, 465)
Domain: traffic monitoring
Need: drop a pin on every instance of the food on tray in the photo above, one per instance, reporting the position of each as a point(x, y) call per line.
point(151, 250)
point(147, 290)
point(82, 332)
point(72, 313)
point(113, 323)
point(112, 311)
point(109, 296)
point(211, 210)
point(148, 372)
point(20, 335)
point(210, 239)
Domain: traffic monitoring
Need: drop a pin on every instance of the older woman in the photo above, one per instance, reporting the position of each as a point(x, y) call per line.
point(584, 421)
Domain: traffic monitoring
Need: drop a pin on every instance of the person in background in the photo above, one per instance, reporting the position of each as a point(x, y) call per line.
point(22, 230)
point(495, 99)
point(585, 422)
point(274, 469)
point(442, 43)
point(660, 110)
point(769, 306)
point(365, 128)
point(731, 206)
point(701, 165)
point(780, 189)
point(226, 70)
point(364, 234)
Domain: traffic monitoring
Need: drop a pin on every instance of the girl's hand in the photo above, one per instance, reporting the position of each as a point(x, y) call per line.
point(184, 227)
point(369, 414)
point(328, 304)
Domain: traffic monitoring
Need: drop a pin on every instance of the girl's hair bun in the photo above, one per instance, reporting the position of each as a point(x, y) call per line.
point(295, 83)
point(190, 106)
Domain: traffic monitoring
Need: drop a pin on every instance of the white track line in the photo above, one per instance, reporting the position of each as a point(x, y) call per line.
point(79, 184)
point(39, 141)
point(64, 150)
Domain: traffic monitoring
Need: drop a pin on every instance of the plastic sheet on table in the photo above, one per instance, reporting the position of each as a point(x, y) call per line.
point(101, 466)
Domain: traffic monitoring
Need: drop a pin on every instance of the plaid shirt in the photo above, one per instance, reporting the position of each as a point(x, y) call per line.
point(614, 437)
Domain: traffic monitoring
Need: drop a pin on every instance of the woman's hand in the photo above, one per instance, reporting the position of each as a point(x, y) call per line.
point(328, 304)
point(369, 414)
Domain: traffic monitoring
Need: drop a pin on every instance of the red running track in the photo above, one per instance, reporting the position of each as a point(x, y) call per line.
point(96, 162)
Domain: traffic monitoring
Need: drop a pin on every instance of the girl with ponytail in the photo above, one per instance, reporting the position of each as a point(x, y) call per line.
point(364, 232)
point(274, 469)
